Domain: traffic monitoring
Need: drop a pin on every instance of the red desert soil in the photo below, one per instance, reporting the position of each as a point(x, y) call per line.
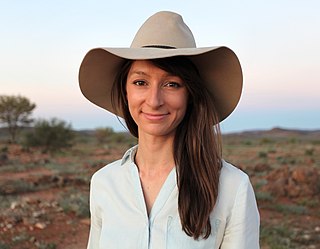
point(284, 171)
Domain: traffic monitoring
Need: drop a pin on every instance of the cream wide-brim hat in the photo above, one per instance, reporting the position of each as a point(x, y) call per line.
point(163, 35)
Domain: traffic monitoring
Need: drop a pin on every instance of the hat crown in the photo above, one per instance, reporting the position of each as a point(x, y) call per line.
point(164, 29)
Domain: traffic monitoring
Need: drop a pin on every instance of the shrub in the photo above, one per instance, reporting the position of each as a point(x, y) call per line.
point(4, 246)
point(3, 155)
point(75, 202)
point(262, 154)
point(103, 135)
point(291, 209)
point(309, 151)
point(277, 236)
point(264, 196)
point(43, 245)
point(266, 141)
point(260, 184)
point(19, 186)
point(51, 135)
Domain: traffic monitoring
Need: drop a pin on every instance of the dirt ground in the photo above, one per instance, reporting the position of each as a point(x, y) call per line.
point(44, 197)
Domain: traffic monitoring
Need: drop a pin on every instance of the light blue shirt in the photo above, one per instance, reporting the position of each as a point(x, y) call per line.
point(119, 218)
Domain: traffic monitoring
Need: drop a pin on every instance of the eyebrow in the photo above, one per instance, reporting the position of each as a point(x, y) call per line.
point(139, 72)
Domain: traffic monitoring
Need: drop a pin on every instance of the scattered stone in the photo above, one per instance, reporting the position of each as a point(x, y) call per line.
point(40, 225)
point(317, 229)
point(306, 237)
point(85, 221)
point(14, 205)
point(37, 244)
point(312, 247)
point(9, 226)
point(293, 182)
point(37, 214)
point(54, 204)
point(261, 167)
point(32, 239)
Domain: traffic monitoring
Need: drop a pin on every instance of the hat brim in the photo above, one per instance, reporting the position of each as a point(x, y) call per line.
point(218, 66)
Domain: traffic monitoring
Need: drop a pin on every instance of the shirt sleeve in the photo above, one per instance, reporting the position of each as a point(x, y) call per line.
point(242, 228)
point(96, 221)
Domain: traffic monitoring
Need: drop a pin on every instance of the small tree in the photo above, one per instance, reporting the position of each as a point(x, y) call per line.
point(15, 112)
point(51, 135)
point(103, 135)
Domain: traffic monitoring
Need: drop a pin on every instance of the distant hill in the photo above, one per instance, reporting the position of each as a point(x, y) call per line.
point(276, 132)
point(279, 133)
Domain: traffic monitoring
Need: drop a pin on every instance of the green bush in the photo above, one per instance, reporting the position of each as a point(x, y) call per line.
point(264, 196)
point(277, 236)
point(75, 202)
point(4, 246)
point(103, 135)
point(262, 154)
point(309, 151)
point(266, 140)
point(51, 135)
point(44, 245)
point(291, 209)
point(19, 186)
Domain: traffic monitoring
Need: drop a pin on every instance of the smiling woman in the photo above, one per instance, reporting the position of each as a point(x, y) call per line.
point(157, 100)
point(172, 190)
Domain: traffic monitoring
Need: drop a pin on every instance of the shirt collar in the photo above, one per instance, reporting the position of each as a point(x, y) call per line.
point(129, 155)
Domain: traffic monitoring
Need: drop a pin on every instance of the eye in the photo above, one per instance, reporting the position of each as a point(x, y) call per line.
point(139, 83)
point(173, 84)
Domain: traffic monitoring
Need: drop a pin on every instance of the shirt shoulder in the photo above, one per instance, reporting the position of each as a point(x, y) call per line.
point(107, 170)
point(112, 170)
point(231, 175)
point(232, 181)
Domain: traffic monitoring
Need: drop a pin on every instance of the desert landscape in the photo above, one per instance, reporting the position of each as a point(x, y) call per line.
point(44, 195)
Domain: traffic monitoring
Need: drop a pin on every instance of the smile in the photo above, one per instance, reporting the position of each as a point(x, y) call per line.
point(154, 116)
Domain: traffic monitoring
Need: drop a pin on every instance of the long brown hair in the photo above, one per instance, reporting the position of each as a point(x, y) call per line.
point(197, 144)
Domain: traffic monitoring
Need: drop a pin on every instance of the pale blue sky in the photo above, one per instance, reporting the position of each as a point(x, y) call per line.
point(42, 44)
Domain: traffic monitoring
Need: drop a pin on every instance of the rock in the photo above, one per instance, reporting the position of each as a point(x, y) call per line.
point(293, 190)
point(40, 225)
point(14, 205)
point(261, 167)
point(276, 188)
point(294, 182)
point(9, 226)
point(312, 247)
point(85, 221)
point(306, 237)
point(32, 239)
point(37, 214)
point(304, 174)
point(277, 180)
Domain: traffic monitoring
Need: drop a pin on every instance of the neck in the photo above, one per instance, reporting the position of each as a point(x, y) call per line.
point(155, 154)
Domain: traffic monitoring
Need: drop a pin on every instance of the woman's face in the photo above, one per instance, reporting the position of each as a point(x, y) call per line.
point(157, 100)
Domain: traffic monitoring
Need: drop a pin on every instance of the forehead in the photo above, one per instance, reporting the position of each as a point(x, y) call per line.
point(142, 65)
point(148, 67)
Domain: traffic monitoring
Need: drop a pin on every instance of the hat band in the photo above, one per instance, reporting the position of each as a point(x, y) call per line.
point(159, 46)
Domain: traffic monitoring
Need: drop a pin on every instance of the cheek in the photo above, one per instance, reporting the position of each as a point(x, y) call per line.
point(133, 104)
point(180, 104)
point(183, 101)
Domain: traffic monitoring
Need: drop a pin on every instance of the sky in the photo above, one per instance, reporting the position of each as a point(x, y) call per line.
point(42, 44)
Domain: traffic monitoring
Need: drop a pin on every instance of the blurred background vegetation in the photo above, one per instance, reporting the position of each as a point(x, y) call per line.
point(46, 166)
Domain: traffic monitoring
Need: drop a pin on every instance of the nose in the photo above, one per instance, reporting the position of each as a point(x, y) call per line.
point(154, 97)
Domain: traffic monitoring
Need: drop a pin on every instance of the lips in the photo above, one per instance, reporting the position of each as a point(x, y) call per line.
point(154, 116)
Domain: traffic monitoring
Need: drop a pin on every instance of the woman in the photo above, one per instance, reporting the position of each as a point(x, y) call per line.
point(172, 190)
